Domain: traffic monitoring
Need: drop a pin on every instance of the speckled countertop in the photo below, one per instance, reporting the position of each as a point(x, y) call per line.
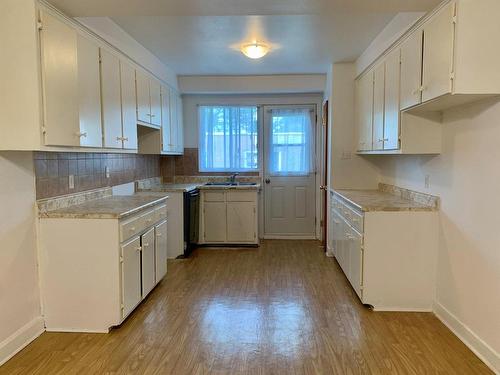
point(376, 200)
point(111, 207)
point(232, 187)
point(171, 187)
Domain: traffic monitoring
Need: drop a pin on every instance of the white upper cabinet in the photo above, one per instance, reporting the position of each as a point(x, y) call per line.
point(165, 120)
point(129, 112)
point(364, 111)
point(60, 82)
point(143, 99)
point(89, 93)
point(391, 101)
point(179, 146)
point(411, 70)
point(111, 100)
point(438, 54)
point(155, 93)
point(378, 107)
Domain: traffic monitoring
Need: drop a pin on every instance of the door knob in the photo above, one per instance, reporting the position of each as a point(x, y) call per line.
point(267, 181)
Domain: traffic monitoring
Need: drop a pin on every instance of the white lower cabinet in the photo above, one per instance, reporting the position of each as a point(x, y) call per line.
point(161, 251)
point(148, 261)
point(387, 257)
point(94, 272)
point(131, 275)
point(228, 216)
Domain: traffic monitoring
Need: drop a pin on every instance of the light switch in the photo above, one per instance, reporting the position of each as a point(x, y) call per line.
point(106, 171)
point(71, 181)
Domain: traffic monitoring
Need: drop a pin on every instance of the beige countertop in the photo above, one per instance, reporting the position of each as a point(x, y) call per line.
point(376, 200)
point(111, 207)
point(172, 187)
point(224, 187)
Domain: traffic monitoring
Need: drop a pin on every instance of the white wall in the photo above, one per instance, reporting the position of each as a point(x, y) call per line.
point(190, 107)
point(269, 84)
point(347, 170)
point(114, 34)
point(20, 318)
point(466, 176)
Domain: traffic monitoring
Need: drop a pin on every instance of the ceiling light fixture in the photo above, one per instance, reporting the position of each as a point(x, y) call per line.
point(255, 50)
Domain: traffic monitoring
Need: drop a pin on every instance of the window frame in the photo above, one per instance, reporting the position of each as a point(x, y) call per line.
point(258, 147)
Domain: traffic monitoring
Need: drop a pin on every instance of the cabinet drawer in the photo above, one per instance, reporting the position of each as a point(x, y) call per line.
point(131, 227)
point(240, 196)
point(214, 196)
point(356, 220)
point(161, 213)
point(149, 218)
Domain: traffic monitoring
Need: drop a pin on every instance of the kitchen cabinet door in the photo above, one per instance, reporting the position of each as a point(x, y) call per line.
point(111, 100)
point(161, 251)
point(214, 221)
point(411, 70)
point(378, 106)
point(155, 94)
point(336, 235)
point(241, 222)
point(174, 128)
point(129, 112)
point(364, 111)
point(179, 144)
point(346, 249)
point(143, 97)
point(438, 54)
point(165, 119)
point(131, 275)
point(148, 262)
point(89, 93)
point(60, 82)
point(391, 110)
point(355, 273)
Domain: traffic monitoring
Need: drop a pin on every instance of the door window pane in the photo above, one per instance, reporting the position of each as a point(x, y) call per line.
point(290, 142)
point(228, 139)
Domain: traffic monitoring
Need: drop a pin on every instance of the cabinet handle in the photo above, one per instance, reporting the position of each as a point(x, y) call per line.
point(423, 88)
point(336, 222)
point(125, 139)
point(138, 248)
point(158, 234)
point(132, 229)
point(84, 134)
point(145, 245)
point(152, 115)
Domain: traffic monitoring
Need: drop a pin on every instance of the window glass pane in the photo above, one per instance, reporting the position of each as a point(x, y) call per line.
point(290, 142)
point(228, 138)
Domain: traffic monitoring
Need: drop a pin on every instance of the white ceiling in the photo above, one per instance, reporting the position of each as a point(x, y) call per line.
point(195, 37)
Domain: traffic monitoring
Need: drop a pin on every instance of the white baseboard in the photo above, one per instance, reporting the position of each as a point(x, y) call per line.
point(19, 339)
point(289, 237)
point(486, 353)
point(402, 309)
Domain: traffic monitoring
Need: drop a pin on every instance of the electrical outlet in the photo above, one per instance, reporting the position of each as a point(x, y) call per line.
point(106, 171)
point(427, 181)
point(71, 182)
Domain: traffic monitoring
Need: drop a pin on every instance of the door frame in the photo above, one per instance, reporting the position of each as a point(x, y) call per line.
point(318, 168)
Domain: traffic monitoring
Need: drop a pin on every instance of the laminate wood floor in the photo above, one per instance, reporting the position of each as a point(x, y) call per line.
point(281, 309)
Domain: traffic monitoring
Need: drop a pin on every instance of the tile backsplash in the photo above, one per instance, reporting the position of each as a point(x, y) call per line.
point(52, 171)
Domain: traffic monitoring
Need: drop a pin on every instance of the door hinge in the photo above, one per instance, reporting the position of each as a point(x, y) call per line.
point(121, 259)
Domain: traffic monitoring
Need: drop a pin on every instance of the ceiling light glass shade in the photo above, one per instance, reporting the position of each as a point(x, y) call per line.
point(254, 50)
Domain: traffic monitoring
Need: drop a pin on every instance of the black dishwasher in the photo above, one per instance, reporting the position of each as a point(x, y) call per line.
point(191, 220)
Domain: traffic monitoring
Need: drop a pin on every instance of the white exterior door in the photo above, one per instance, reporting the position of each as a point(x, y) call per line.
point(289, 172)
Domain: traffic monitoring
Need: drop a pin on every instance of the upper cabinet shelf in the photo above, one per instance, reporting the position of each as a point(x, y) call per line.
point(449, 59)
point(64, 88)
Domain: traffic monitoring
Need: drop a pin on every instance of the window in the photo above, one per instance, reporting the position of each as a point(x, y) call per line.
point(228, 139)
point(290, 142)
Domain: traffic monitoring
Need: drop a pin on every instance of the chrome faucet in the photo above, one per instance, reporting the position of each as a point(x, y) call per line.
point(232, 179)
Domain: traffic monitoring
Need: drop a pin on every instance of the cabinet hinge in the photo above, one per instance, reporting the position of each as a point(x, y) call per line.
point(321, 223)
point(122, 306)
point(452, 76)
point(39, 25)
point(44, 130)
point(121, 259)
